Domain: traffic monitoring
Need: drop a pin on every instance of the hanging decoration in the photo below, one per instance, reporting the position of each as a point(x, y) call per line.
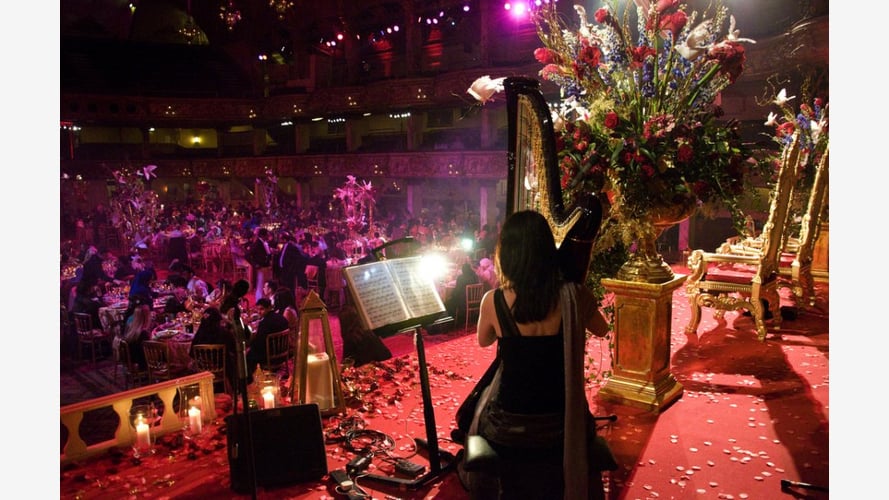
point(358, 201)
point(134, 206)
point(281, 7)
point(230, 14)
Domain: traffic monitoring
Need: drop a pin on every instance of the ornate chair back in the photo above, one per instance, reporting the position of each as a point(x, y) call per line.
point(211, 358)
point(278, 350)
point(133, 374)
point(157, 359)
point(336, 287)
point(727, 281)
point(800, 269)
point(88, 335)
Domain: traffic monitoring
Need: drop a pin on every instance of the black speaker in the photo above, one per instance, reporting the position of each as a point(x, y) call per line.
point(288, 445)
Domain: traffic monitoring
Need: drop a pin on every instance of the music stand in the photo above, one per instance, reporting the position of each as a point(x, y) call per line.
point(394, 296)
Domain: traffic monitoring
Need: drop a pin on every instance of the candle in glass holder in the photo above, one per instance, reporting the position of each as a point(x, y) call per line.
point(319, 381)
point(194, 420)
point(143, 433)
point(268, 397)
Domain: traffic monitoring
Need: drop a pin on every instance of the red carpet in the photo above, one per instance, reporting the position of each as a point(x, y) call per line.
point(751, 414)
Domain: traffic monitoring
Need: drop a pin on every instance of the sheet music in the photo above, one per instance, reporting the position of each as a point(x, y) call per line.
point(375, 291)
point(417, 287)
point(393, 291)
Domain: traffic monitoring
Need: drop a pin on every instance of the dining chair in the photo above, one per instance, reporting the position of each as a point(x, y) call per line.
point(133, 374)
point(278, 350)
point(474, 294)
point(88, 335)
point(211, 358)
point(312, 277)
point(336, 288)
point(157, 359)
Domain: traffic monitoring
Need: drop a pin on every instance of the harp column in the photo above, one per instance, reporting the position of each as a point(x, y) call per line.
point(641, 360)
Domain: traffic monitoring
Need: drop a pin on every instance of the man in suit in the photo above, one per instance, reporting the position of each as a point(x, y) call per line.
point(260, 259)
point(270, 322)
point(288, 262)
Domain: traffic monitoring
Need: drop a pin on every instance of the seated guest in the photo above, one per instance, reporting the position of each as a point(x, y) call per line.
point(271, 322)
point(213, 329)
point(175, 303)
point(456, 303)
point(86, 300)
point(197, 288)
point(136, 329)
point(93, 272)
point(140, 286)
point(125, 270)
point(223, 288)
point(232, 304)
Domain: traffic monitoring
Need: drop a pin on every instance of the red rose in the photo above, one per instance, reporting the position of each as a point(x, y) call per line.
point(648, 170)
point(611, 120)
point(674, 23)
point(731, 58)
point(640, 53)
point(602, 15)
point(684, 153)
point(664, 6)
point(547, 56)
point(785, 129)
point(589, 55)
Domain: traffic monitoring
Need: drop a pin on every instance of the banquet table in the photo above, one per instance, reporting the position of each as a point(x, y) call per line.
point(179, 343)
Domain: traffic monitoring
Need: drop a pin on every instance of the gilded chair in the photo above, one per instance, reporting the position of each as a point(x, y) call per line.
point(88, 335)
point(799, 268)
point(728, 281)
point(312, 278)
point(278, 350)
point(795, 262)
point(157, 359)
point(474, 294)
point(133, 374)
point(211, 358)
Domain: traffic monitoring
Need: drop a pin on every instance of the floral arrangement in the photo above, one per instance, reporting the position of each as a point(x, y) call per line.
point(811, 121)
point(134, 207)
point(358, 200)
point(639, 120)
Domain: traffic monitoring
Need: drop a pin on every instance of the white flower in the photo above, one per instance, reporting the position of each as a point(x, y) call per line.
point(584, 29)
point(782, 98)
point(815, 127)
point(484, 88)
point(773, 119)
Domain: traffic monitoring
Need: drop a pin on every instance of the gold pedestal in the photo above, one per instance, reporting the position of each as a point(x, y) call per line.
point(641, 361)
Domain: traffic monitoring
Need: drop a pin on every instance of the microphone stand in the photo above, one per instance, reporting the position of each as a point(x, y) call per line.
point(241, 386)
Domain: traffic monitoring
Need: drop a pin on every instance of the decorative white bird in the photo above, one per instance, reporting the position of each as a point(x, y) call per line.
point(734, 35)
point(148, 172)
point(584, 28)
point(484, 88)
point(696, 42)
point(782, 98)
point(772, 120)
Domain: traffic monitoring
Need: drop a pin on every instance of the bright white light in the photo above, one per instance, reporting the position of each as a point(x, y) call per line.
point(466, 244)
point(434, 265)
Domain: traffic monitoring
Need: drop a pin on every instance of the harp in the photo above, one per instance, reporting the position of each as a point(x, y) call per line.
point(534, 177)
point(534, 184)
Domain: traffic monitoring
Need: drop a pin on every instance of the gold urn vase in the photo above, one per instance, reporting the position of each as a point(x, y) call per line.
point(645, 264)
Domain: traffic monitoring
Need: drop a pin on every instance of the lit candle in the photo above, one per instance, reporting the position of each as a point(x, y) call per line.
point(194, 420)
point(319, 381)
point(268, 397)
point(143, 436)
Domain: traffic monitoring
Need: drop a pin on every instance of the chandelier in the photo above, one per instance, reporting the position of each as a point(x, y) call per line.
point(230, 15)
point(281, 7)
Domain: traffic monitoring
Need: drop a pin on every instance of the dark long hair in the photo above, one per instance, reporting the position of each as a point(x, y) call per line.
point(527, 262)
